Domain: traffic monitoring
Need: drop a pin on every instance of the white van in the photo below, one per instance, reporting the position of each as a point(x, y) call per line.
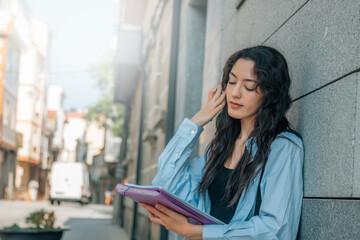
point(69, 182)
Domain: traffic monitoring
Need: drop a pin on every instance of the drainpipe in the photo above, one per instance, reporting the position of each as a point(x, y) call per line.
point(170, 114)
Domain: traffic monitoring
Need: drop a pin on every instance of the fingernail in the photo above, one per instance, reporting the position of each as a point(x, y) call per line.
point(157, 206)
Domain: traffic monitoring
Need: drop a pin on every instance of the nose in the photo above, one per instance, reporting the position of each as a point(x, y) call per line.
point(236, 92)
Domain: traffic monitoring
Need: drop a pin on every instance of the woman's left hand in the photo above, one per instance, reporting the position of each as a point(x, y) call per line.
point(173, 221)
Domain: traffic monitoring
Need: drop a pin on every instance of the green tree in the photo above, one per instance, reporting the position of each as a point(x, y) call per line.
point(105, 108)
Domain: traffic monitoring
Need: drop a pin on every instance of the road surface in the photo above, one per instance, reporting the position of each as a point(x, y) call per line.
point(90, 222)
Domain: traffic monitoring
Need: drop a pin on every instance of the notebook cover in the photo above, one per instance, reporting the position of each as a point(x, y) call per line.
point(152, 195)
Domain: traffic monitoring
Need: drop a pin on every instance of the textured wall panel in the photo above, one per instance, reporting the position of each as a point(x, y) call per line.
point(330, 219)
point(320, 42)
point(254, 22)
point(326, 120)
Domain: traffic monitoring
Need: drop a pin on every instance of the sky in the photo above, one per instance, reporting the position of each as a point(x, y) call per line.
point(82, 35)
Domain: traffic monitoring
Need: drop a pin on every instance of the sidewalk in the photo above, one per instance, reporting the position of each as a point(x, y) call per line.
point(93, 229)
point(88, 222)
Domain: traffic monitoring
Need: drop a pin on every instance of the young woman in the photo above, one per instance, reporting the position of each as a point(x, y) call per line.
point(251, 174)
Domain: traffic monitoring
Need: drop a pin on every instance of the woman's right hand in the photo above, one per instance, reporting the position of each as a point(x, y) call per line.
point(216, 102)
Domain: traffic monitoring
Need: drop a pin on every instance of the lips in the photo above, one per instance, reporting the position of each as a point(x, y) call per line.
point(235, 105)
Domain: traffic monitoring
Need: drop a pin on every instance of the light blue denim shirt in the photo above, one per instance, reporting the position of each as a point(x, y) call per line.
point(281, 187)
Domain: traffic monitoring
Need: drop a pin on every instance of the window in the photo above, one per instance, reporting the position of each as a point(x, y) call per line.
point(13, 118)
point(6, 113)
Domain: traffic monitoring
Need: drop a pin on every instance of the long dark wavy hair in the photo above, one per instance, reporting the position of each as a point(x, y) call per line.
point(273, 80)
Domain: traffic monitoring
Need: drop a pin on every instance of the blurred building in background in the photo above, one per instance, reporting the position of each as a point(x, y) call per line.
point(24, 103)
point(89, 142)
point(95, 140)
point(35, 131)
point(184, 46)
point(74, 129)
point(13, 40)
point(57, 118)
point(102, 154)
point(94, 157)
point(111, 159)
point(52, 135)
point(32, 110)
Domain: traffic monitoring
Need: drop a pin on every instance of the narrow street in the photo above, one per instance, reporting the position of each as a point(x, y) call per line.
point(91, 222)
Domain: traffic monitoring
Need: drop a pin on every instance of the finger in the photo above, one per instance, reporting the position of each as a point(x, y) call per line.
point(155, 219)
point(151, 215)
point(147, 207)
point(171, 213)
point(216, 97)
point(220, 99)
point(218, 92)
point(156, 212)
point(166, 210)
point(218, 108)
point(223, 94)
point(144, 205)
point(211, 93)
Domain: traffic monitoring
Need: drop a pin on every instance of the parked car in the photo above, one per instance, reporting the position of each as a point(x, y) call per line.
point(69, 182)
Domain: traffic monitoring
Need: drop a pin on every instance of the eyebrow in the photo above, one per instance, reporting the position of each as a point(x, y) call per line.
point(246, 80)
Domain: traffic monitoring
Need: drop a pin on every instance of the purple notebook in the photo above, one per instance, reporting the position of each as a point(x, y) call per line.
point(152, 195)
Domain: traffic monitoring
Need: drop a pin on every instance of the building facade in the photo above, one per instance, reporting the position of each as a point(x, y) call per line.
point(56, 116)
point(189, 42)
point(74, 129)
point(31, 109)
point(25, 41)
point(12, 43)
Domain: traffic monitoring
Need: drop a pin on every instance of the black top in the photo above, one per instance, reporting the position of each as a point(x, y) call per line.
point(216, 192)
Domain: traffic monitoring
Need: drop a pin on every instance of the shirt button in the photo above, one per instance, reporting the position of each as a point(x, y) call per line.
point(177, 154)
point(192, 132)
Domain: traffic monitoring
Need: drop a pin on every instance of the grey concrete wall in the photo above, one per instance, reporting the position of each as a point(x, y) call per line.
point(190, 62)
point(326, 119)
point(344, 214)
point(320, 40)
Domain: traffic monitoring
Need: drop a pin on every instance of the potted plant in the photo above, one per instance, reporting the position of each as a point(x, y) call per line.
point(41, 228)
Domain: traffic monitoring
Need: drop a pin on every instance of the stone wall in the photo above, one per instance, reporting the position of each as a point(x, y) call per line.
point(320, 40)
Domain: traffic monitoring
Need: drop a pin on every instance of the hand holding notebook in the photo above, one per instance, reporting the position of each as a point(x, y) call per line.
point(152, 195)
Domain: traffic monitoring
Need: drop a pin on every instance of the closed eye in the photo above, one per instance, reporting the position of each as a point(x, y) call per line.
point(250, 89)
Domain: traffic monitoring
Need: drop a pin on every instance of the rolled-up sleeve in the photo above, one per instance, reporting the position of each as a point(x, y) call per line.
point(177, 173)
point(281, 192)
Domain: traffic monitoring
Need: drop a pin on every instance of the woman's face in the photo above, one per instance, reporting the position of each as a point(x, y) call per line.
point(243, 100)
